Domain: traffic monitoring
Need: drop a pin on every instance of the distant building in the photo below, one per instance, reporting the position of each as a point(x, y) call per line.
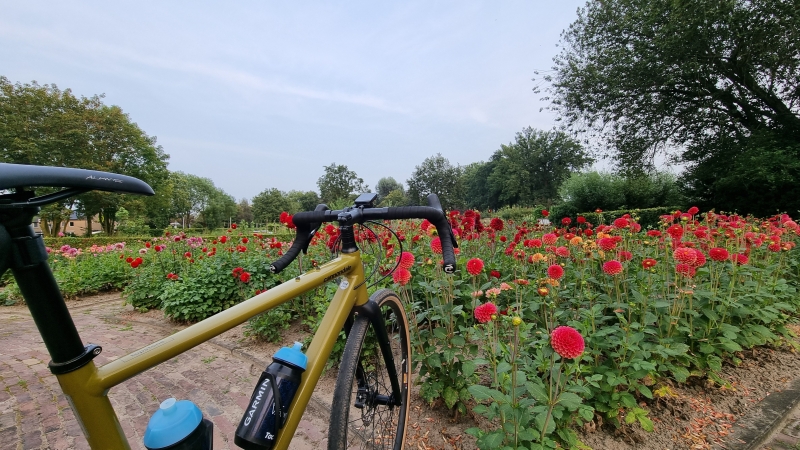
point(75, 225)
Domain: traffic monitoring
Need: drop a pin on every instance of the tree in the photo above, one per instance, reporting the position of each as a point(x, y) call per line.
point(269, 204)
point(43, 125)
point(530, 170)
point(339, 183)
point(244, 212)
point(303, 201)
point(386, 185)
point(395, 198)
point(477, 190)
point(707, 83)
point(196, 199)
point(436, 176)
point(687, 77)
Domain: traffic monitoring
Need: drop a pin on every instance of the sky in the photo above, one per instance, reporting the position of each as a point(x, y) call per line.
point(257, 95)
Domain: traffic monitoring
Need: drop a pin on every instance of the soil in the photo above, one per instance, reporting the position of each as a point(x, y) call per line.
point(695, 415)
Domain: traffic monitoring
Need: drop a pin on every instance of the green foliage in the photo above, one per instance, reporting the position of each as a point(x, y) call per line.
point(755, 177)
point(520, 214)
point(693, 79)
point(269, 325)
point(199, 202)
point(44, 125)
point(339, 183)
point(387, 185)
point(394, 198)
point(530, 170)
point(269, 204)
point(589, 191)
point(303, 201)
point(436, 175)
point(647, 218)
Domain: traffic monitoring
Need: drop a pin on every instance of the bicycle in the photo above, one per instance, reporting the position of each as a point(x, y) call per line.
point(372, 390)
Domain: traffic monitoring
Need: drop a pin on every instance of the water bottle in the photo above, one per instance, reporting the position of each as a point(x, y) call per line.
point(178, 425)
point(269, 405)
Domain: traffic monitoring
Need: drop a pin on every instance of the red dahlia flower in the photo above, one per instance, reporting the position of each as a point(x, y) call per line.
point(550, 238)
point(545, 213)
point(406, 260)
point(612, 267)
point(401, 276)
point(685, 255)
point(685, 270)
point(581, 219)
point(606, 244)
point(648, 263)
point(654, 233)
point(562, 252)
point(484, 312)
point(497, 224)
point(566, 221)
point(624, 255)
point(693, 210)
point(739, 258)
point(436, 245)
point(494, 274)
point(555, 271)
point(718, 254)
point(567, 342)
point(676, 231)
point(621, 223)
point(475, 266)
point(700, 259)
point(245, 277)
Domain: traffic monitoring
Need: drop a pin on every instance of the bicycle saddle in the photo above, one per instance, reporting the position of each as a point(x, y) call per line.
point(22, 175)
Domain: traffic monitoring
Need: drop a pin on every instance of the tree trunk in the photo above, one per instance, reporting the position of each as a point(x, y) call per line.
point(88, 232)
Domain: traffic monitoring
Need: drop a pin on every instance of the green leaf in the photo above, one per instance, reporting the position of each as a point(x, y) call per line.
point(450, 397)
point(541, 418)
point(569, 400)
point(491, 440)
point(467, 368)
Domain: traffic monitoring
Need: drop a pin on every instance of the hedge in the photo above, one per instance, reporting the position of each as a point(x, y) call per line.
point(647, 218)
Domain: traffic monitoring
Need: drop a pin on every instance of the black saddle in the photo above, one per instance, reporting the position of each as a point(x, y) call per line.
point(21, 176)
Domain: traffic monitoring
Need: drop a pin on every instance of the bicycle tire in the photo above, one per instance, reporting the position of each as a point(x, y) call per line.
point(373, 425)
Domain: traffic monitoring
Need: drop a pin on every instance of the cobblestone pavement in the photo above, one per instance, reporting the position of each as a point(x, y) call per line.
point(34, 413)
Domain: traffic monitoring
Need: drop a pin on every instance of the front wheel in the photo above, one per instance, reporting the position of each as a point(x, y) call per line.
point(366, 413)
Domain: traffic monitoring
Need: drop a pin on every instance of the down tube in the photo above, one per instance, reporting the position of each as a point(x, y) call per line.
point(351, 291)
point(140, 360)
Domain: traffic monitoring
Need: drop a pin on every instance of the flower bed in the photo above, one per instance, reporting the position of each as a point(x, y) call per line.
point(542, 329)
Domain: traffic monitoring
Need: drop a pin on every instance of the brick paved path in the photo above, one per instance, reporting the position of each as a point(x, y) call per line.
point(35, 415)
point(787, 437)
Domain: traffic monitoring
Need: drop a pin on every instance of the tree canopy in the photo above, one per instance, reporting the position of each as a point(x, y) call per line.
point(436, 175)
point(706, 83)
point(43, 125)
point(649, 76)
point(338, 182)
point(525, 172)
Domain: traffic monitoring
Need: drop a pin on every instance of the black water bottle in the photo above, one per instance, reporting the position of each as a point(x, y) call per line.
point(266, 413)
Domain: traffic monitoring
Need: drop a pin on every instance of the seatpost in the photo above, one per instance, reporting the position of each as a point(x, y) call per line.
point(28, 262)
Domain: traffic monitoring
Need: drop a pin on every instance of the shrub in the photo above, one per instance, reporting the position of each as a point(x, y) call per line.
point(610, 192)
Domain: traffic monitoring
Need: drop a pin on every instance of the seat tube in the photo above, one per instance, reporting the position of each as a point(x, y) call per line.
point(93, 409)
point(71, 361)
point(42, 295)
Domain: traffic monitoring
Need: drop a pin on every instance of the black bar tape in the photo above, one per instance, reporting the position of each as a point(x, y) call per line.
point(308, 221)
point(434, 216)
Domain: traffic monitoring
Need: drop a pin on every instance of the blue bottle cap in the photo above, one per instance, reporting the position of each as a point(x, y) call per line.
point(293, 356)
point(173, 421)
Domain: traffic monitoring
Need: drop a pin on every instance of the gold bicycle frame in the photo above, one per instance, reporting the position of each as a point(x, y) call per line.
point(87, 388)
